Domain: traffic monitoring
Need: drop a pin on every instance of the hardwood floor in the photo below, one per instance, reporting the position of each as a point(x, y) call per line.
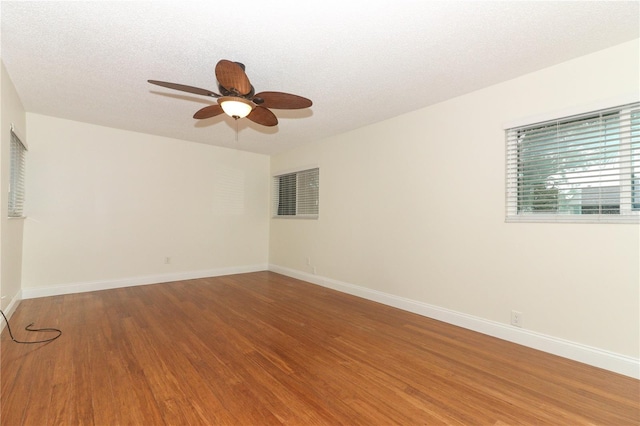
point(262, 348)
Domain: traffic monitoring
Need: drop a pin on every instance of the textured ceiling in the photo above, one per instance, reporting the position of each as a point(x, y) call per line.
point(359, 62)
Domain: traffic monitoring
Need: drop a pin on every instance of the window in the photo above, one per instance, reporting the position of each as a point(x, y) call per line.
point(296, 194)
point(584, 168)
point(16, 175)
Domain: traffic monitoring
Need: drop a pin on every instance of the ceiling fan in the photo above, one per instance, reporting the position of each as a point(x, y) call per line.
point(238, 98)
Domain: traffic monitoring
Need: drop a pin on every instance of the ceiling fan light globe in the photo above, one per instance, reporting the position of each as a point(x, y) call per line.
point(235, 107)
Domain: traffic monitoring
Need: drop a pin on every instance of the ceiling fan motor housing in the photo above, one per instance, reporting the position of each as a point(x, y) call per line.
point(234, 92)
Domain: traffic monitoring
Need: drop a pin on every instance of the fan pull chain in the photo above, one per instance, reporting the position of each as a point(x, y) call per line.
point(236, 130)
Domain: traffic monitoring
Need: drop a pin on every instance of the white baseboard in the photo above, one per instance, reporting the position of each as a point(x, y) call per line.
point(600, 358)
point(11, 308)
point(32, 293)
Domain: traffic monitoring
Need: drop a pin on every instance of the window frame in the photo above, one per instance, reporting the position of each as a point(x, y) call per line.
point(300, 198)
point(627, 156)
point(17, 167)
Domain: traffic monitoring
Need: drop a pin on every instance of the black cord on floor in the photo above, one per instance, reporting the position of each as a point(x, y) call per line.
point(31, 329)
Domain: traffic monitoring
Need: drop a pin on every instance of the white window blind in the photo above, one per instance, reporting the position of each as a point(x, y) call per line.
point(296, 194)
point(16, 176)
point(584, 168)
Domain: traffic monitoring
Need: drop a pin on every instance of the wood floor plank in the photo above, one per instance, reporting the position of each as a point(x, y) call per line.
point(29, 398)
point(265, 349)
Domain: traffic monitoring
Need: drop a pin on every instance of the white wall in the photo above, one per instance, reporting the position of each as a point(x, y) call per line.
point(11, 230)
point(414, 207)
point(105, 208)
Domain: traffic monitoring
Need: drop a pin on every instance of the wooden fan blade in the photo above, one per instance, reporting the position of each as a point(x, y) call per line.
point(232, 77)
point(184, 88)
point(208, 112)
point(280, 100)
point(262, 115)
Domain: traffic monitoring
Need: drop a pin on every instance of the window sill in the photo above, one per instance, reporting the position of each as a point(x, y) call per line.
point(570, 218)
point(309, 217)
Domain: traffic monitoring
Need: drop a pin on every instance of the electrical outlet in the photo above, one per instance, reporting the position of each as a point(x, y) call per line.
point(516, 318)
